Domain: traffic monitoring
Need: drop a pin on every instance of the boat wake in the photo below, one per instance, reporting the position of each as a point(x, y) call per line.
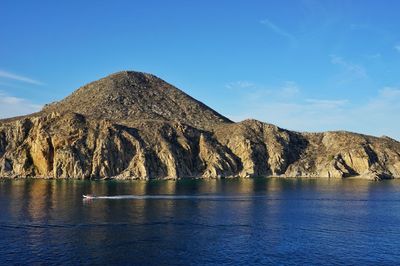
point(173, 197)
point(226, 198)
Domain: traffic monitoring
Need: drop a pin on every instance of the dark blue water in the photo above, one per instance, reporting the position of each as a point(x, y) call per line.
point(225, 222)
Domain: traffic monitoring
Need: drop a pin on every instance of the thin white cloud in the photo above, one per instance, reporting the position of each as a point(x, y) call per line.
point(11, 106)
point(16, 77)
point(289, 89)
point(389, 92)
point(278, 30)
point(351, 70)
point(373, 56)
point(254, 91)
point(11, 100)
point(324, 103)
point(397, 48)
point(377, 116)
point(388, 98)
point(241, 84)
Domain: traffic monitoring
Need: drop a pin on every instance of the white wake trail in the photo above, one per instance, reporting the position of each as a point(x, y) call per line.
point(175, 197)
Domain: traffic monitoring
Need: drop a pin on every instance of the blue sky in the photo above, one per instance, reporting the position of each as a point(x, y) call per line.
point(303, 65)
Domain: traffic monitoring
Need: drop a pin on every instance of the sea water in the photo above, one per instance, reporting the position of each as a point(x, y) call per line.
point(200, 222)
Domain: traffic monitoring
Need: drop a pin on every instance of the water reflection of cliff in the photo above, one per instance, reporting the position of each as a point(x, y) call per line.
point(48, 209)
point(38, 199)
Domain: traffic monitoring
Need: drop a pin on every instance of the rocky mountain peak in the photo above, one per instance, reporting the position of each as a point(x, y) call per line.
point(128, 96)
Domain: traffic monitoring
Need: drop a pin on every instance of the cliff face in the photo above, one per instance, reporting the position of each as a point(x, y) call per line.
point(134, 125)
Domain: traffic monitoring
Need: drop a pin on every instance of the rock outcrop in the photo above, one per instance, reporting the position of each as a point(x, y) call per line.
point(132, 125)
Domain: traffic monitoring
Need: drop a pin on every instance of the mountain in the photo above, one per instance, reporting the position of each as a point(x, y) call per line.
point(128, 96)
point(134, 125)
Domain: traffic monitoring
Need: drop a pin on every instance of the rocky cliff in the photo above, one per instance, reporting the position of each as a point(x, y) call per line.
point(136, 126)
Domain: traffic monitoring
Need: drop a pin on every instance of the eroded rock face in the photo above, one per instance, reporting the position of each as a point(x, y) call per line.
point(117, 142)
point(72, 146)
point(69, 145)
